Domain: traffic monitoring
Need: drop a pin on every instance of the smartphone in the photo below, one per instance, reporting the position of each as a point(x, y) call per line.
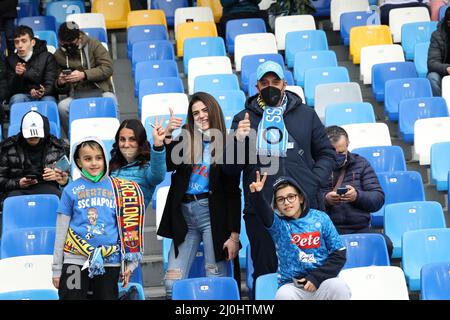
point(298, 283)
point(31, 176)
point(67, 71)
point(341, 191)
point(63, 164)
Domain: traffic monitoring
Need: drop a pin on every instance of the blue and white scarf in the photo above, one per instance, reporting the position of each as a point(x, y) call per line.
point(272, 134)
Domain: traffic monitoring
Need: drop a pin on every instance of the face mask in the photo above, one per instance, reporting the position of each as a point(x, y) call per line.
point(71, 49)
point(91, 177)
point(129, 153)
point(341, 158)
point(271, 96)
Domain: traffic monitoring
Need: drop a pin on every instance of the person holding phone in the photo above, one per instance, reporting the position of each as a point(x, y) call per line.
point(353, 190)
point(27, 159)
point(309, 250)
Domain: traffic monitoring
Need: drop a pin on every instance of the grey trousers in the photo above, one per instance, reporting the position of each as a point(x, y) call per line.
point(330, 289)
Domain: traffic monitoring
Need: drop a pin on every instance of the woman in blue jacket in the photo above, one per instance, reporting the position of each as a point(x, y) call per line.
point(133, 159)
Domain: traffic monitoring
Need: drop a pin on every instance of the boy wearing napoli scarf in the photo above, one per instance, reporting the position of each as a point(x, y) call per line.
point(277, 129)
point(98, 230)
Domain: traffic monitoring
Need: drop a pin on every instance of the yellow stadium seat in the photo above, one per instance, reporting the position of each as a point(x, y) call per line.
point(193, 30)
point(215, 6)
point(146, 17)
point(367, 36)
point(115, 12)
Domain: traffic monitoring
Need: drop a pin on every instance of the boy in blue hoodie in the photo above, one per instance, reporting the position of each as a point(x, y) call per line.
point(309, 250)
point(99, 228)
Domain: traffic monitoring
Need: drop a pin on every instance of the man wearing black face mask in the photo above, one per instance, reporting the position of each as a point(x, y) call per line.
point(282, 131)
point(439, 54)
point(353, 190)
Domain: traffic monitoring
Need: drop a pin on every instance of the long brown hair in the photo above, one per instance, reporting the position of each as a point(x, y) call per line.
point(194, 145)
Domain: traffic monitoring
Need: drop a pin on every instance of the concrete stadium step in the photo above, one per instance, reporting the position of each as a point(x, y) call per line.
point(152, 270)
point(153, 246)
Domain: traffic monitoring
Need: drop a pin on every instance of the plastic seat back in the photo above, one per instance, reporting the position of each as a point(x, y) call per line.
point(242, 26)
point(266, 287)
point(440, 165)
point(61, 9)
point(206, 66)
point(144, 33)
point(365, 249)
point(192, 14)
point(421, 58)
point(416, 32)
point(338, 7)
point(154, 69)
point(38, 294)
point(364, 36)
point(347, 113)
point(151, 50)
point(92, 108)
point(373, 55)
point(213, 82)
point(146, 17)
point(383, 158)
point(231, 102)
point(25, 242)
point(48, 35)
point(253, 43)
point(193, 30)
point(399, 16)
point(316, 76)
point(202, 47)
point(350, 20)
point(169, 7)
point(435, 281)
point(160, 85)
point(114, 11)
point(39, 23)
point(309, 40)
point(367, 135)
point(428, 132)
point(286, 24)
point(305, 60)
point(216, 288)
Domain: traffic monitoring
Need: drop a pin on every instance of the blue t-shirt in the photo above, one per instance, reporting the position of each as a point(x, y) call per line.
point(303, 244)
point(199, 181)
point(92, 208)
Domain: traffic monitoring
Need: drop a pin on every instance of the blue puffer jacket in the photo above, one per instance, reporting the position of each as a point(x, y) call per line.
point(148, 177)
point(360, 175)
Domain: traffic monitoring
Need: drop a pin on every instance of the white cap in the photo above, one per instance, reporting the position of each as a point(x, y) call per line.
point(33, 125)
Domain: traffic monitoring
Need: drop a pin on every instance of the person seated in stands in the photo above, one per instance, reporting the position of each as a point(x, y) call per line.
point(31, 69)
point(388, 5)
point(353, 190)
point(439, 55)
point(27, 159)
point(240, 9)
point(309, 250)
point(85, 69)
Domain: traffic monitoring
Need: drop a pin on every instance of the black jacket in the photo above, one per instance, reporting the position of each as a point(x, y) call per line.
point(13, 157)
point(8, 9)
point(360, 175)
point(41, 69)
point(224, 204)
point(3, 81)
point(309, 161)
point(438, 51)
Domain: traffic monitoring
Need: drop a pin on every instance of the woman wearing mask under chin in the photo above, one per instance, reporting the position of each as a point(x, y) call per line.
point(132, 157)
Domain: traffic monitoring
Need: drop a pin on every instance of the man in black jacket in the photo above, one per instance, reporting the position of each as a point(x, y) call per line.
point(32, 69)
point(351, 198)
point(439, 54)
point(27, 159)
point(288, 139)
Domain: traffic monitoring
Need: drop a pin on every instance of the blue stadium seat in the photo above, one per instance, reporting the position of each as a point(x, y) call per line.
point(39, 22)
point(347, 113)
point(164, 183)
point(250, 63)
point(249, 272)
point(316, 76)
point(435, 281)
point(217, 288)
point(408, 216)
point(399, 89)
point(201, 47)
point(61, 9)
point(47, 35)
point(266, 287)
point(356, 19)
point(251, 88)
point(27, 9)
point(442, 11)
point(421, 58)
point(139, 287)
point(383, 158)
point(398, 186)
point(29, 211)
point(151, 50)
point(231, 102)
point(416, 32)
point(145, 33)
point(25, 242)
point(33, 294)
point(420, 247)
point(242, 26)
point(308, 40)
point(213, 82)
point(46, 108)
point(96, 33)
point(364, 250)
point(160, 85)
point(440, 165)
point(411, 110)
point(383, 72)
point(154, 69)
point(92, 108)
point(169, 7)
point(322, 8)
point(305, 60)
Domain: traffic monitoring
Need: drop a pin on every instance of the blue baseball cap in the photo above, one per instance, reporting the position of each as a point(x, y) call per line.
point(269, 66)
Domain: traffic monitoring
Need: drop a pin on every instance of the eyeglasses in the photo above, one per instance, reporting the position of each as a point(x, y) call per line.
point(290, 199)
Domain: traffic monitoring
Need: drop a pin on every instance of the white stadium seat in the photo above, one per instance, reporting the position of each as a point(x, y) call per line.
point(398, 17)
point(378, 54)
point(285, 24)
point(367, 135)
point(426, 133)
point(207, 65)
point(253, 43)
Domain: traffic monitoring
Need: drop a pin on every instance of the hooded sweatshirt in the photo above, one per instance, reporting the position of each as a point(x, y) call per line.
point(89, 208)
point(307, 247)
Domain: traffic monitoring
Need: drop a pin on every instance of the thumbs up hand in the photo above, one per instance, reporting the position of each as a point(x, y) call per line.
point(243, 128)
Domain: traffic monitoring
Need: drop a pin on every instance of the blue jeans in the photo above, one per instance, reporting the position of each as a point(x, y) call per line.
point(436, 82)
point(196, 215)
point(21, 97)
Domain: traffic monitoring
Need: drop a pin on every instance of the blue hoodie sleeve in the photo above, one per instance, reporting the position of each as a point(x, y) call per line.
point(157, 170)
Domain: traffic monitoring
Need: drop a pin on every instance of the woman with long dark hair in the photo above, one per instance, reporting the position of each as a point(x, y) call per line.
point(131, 154)
point(203, 203)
